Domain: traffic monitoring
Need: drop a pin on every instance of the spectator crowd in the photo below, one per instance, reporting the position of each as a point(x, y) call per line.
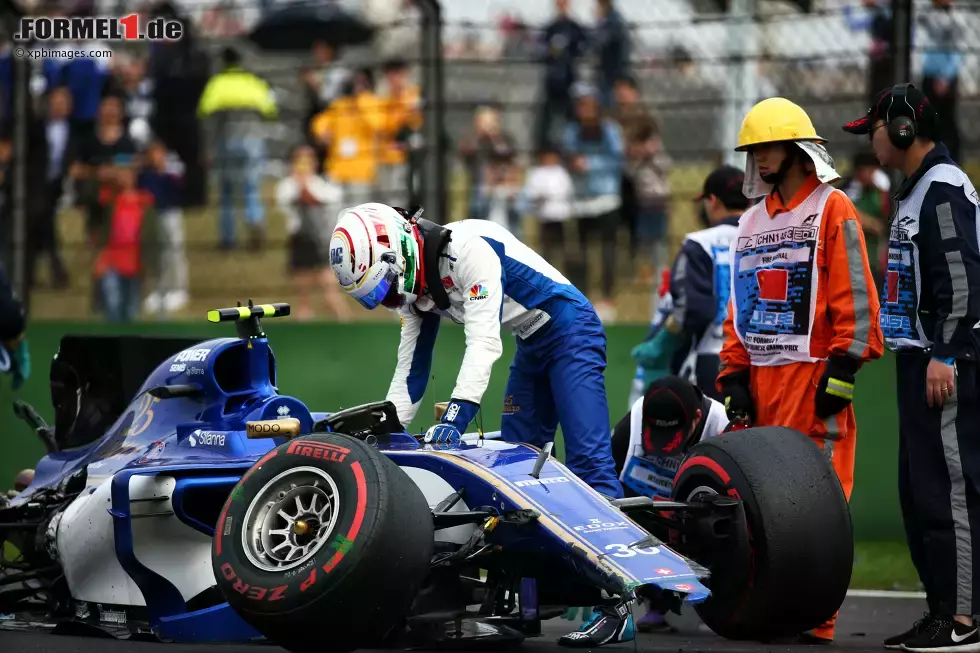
point(136, 140)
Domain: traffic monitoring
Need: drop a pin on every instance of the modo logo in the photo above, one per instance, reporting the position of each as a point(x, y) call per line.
point(272, 428)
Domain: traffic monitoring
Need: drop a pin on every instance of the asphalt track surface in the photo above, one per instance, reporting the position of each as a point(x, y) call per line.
point(862, 625)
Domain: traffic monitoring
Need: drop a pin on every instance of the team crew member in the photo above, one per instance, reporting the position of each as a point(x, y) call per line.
point(478, 274)
point(652, 438)
point(930, 315)
point(650, 441)
point(701, 281)
point(803, 316)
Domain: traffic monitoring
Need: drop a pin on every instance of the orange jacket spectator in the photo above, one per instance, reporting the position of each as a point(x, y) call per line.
point(351, 129)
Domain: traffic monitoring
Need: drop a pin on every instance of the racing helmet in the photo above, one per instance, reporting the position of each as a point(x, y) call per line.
point(776, 120)
point(374, 251)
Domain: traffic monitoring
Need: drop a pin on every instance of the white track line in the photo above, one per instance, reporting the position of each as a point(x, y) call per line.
point(885, 594)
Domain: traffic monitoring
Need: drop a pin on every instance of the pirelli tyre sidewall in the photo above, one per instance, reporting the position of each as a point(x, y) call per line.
point(787, 571)
point(382, 537)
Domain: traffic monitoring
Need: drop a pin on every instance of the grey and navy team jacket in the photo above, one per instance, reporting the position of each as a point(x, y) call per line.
point(931, 298)
point(700, 285)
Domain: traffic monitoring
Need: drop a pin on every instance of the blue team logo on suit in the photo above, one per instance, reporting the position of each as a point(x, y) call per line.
point(898, 311)
point(723, 280)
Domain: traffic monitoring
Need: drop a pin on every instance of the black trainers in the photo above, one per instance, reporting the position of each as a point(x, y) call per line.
point(943, 634)
point(895, 641)
point(607, 625)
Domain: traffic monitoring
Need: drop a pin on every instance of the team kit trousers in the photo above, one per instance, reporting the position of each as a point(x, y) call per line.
point(557, 377)
point(939, 484)
point(785, 395)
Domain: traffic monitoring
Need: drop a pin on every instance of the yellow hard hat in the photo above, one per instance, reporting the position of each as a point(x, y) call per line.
point(776, 120)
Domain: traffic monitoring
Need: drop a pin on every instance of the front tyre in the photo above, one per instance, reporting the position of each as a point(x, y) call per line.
point(789, 568)
point(323, 544)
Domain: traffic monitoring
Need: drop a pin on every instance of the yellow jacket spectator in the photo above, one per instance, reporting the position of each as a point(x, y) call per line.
point(237, 97)
point(350, 129)
point(237, 102)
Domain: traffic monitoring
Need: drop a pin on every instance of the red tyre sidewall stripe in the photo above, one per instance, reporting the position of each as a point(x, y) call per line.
point(220, 533)
point(358, 520)
point(221, 527)
point(263, 460)
point(704, 461)
point(719, 471)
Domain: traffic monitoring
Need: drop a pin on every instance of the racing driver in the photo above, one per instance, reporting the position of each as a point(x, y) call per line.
point(478, 274)
point(803, 315)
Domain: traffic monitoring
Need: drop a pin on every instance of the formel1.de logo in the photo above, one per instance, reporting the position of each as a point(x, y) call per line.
point(113, 28)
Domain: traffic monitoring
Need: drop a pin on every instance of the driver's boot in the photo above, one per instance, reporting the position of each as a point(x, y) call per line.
point(823, 634)
point(609, 624)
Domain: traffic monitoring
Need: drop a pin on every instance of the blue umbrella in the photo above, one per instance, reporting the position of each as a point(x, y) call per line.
point(297, 27)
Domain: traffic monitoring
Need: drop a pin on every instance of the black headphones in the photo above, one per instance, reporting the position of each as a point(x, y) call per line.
point(901, 129)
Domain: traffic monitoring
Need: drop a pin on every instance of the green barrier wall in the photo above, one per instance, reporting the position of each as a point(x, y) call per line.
point(334, 366)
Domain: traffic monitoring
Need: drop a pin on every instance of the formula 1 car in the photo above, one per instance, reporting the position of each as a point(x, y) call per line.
point(188, 500)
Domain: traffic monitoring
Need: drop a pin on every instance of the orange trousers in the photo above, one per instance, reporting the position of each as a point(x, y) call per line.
point(785, 396)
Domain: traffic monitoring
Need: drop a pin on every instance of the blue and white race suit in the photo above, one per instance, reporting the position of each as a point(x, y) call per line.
point(493, 280)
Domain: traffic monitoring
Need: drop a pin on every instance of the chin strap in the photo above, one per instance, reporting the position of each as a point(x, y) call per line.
point(776, 178)
point(434, 240)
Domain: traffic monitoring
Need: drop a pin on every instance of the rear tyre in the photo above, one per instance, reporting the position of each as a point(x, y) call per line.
point(790, 569)
point(324, 543)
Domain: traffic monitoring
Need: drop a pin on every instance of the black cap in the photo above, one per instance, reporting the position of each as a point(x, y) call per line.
point(669, 409)
point(915, 105)
point(725, 183)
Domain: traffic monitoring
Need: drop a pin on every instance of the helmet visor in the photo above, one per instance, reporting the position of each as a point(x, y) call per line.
point(371, 291)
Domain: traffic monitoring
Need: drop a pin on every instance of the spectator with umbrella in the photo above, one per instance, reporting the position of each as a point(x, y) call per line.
point(322, 31)
point(298, 27)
